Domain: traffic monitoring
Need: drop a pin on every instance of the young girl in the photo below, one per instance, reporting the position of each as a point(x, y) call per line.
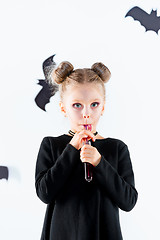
point(77, 209)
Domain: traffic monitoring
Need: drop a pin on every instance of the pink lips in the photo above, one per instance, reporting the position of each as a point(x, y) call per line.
point(88, 127)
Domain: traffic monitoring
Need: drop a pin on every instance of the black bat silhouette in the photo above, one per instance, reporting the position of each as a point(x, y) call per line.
point(48, 88)
point(4, 172)
point(149, 21)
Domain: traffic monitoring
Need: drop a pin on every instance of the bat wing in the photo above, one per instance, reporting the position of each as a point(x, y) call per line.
point(48, 66)
point(139, 15)
point(3, 172)
point(49, 88)
point(43, 97)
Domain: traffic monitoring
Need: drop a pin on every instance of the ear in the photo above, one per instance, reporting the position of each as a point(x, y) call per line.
point(103, 108)
point(62, 107)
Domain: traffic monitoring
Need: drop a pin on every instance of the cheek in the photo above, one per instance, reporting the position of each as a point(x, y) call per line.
point(73, 114)
point(97, 113)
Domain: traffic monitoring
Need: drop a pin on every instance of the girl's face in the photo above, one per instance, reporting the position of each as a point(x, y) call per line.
point(83, 104)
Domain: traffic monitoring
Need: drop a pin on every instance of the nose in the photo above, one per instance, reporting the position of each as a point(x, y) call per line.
point(86, 115)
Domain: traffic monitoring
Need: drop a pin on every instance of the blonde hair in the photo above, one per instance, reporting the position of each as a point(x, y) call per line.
point(65, 75)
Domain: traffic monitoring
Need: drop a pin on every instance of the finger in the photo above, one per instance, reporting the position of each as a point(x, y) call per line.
point(83, 134)
point(86, 160)
point(86, 153)
point(87, 147)
point(89, 134)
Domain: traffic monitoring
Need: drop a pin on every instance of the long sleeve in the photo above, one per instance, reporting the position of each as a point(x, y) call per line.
point(52, 171)
point(118, 182)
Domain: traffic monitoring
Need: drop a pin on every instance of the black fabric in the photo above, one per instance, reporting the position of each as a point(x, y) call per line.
point(76, 209)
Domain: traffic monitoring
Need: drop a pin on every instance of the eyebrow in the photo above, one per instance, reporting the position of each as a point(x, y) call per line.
point(76, 100)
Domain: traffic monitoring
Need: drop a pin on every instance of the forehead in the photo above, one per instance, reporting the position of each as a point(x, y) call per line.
point(86, 91)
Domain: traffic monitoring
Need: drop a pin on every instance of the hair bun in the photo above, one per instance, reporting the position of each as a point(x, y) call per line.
point(102, 71)
point(62, 72)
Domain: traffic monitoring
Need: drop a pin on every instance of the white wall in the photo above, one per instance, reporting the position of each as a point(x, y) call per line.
point(82, 32)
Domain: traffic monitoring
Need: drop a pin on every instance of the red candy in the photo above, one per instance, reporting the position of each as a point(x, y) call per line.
point(88, 127)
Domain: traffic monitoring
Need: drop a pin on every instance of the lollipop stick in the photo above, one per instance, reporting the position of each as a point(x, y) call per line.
point(88, 166)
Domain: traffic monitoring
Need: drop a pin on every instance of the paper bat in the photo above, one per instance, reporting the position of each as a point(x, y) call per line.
point(3, 172)
point(149, 21)
point(48, 88)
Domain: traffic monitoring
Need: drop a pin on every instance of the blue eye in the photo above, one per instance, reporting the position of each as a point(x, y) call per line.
point(95, 104)
point(77, 105)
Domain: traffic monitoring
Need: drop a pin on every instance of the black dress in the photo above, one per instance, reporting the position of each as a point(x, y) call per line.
point(76, 209)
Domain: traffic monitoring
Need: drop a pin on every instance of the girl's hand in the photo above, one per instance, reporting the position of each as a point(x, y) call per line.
point(79, 138)
point(90, 154)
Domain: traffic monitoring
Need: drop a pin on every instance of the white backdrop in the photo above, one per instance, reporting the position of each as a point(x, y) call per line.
point(82, 32)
